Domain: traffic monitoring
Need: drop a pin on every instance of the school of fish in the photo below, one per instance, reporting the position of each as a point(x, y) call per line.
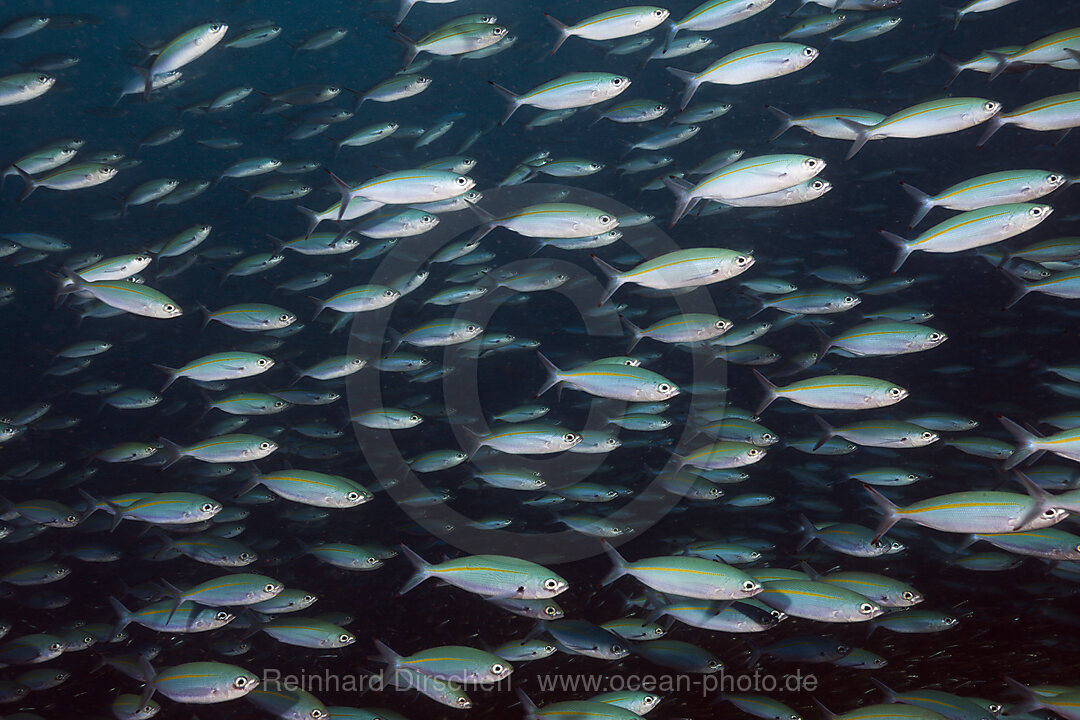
point(609, 360)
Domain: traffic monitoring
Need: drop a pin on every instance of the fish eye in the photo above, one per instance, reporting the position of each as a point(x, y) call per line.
point(990, 105)
point(261, 361)
point(240, 682)
point(168, 307)
point(497, 669)
point(460, 180)
point(949, 620)
point(753, 452)
point(935, 336)
point(766, 436)
point(353, 495)
point(660, 108)
point(1035, 211)
point(749, 586)
point(497, 30)
point(222, 616)
point(664, 388)
point(569, 437)
point(808, 51)
point(1054, 178)
point(56, 647)
point(316, 713)
point(471, 328)
point(895, 392)
point(551, 584)
point(279, 403)
point(72, 518)
point(245, 556)
point(463, 702)
point(605, 219)
point(207, 507)
point(617, 81)
point(344, 637)
point(1050, 512)
point(333, 89)
point(264, 446)
point(43, 79)
point(908, 595)
point(658, 13)
point(215, 27)
point(742, 260)
point(866, 608)
point(283, 318)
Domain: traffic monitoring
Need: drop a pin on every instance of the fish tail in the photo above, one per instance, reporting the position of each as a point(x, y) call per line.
point(173, 592)
point(903, 250)
point(826, 344)
point(785, 122)
point(172, 450)
point(825, 712)
point(805, 567)
point(957, 15)
point(1002, 63)
point(406, 6)
point(954, 65)
point(205, 313)
point(1022, 288)
point(692, 84)
point(888, 692)
point(770, 392)
point(253, 481)
point(684, 201)
point(924, 201)
point(809, 532)
point(313, 220)
point(827, 430)
point(618, 564)
point(672, 31)
point(635, 331)
point(1031, 700)
point(148, 676)
point(992, 126)
point(563, 30)
point(31, 184)
point(472, 441)
point(92, 505)
point(346, 193)
point(411, 51)
point(387, 655)
point(514, 102)
point(862, 135)
point(319, 306)
point(1026, 441)
point(422, 569)
point(123, 615)
point(889, 507)
point(171, 374)
point(552, 374)
point(530, 707)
